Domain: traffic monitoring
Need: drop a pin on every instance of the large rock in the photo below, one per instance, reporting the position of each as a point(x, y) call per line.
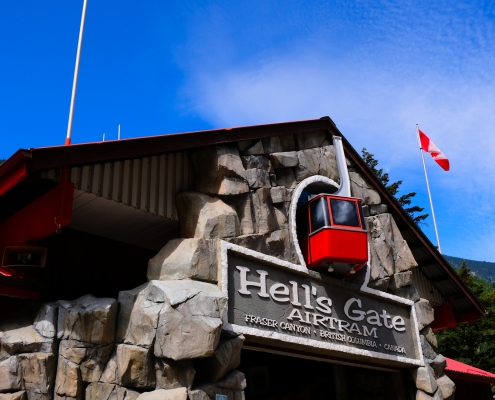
point(382, 254)
point(190, 322)
point(281, 215)
point(390, 253)
point(256, 242)
point(87, 319)
point(24, 340)
point(380, 284)
point(286, 177)
point(130, 366)
point(264, 213)
point(202, 216)
point(328, 164)
point(257, 162)
point(45, 322)
point(420, 395)
point(173, 374)
point(309, 140)
point(278, 243)
point(106, 391)
point(375, 209)
point(424, 378)
point(255, 148)
point(280, 195)
point(403, 257)
point(186, 259)
point(309, 163)
point(424, 313)
point(361, 189)
point(272, 144)
point(427, 332)
point(161, 394)
point(428, 352)
point(438, 364)
point(288, 143)
point(13, 396)
point(208, 391)
point(90, 358)
point(244, 206)
point(258, 178)
point(406, 292)
point(226, 358)
point(219, 171)
point(400, 279)
point(185, 317)
point(197, 395)
point(68, 382)
point(234, 380)
point(138, 316)
point(284, 159)
point(10, 374)
point(38, 372)
point(447, 387)
point(377, 271)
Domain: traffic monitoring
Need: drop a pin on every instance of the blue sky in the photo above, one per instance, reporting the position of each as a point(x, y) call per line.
point(376, 67)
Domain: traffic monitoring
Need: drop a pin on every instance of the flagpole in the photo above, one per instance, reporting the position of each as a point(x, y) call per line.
point(76, 75)
point(429, 192)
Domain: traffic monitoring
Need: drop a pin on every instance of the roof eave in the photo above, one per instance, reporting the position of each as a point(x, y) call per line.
point(59, 156)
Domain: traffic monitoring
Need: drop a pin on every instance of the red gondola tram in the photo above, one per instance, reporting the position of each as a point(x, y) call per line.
point(332, 234)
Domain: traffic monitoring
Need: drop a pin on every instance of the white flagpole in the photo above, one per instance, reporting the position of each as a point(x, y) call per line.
point(76, 75)
point(429, 192)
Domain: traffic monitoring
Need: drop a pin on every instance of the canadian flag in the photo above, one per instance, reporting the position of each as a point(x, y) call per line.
point(430, 147)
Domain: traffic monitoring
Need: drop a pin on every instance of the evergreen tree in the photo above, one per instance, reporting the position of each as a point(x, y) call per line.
point(406, 199)
point(472, 343)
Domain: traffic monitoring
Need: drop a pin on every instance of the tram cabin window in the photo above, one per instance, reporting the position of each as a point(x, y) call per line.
point(344, 212)
point(319, 214)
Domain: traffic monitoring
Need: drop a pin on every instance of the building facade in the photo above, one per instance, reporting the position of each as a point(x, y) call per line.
point(262, 262)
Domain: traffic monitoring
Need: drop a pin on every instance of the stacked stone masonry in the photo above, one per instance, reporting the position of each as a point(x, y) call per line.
point(164, 339)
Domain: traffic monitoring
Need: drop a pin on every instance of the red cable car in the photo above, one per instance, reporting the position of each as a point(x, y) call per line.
point(332, 234)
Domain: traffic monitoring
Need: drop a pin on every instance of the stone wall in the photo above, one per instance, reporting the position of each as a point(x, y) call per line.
point(164, 339)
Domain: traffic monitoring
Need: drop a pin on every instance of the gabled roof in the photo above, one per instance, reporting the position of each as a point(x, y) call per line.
point(15, 172)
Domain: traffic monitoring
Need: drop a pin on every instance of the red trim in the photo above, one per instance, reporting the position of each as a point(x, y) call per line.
point(13, 171)
point(13, 179)
point(467, 317)
point(39, 219)
point(444, 317)
point(18, 292)
point(466, 372)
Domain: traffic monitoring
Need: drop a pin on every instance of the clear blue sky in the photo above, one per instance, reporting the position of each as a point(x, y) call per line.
point(377, 68)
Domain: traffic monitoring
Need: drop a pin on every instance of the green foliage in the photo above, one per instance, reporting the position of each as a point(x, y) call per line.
point(482, 269)
point(406, 199)
point(474, 343)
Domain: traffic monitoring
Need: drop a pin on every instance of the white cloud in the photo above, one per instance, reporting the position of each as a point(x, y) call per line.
point(434, 73)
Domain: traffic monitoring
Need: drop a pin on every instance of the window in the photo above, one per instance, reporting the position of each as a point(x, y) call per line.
point(344, 212)
point(319, 214)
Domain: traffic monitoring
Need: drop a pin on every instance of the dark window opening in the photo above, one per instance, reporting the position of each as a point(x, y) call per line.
point(344, 212)
point(302, 221)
